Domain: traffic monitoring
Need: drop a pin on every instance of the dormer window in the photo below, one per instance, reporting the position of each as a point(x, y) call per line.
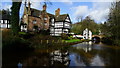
point(24, 16)
point(34, 22)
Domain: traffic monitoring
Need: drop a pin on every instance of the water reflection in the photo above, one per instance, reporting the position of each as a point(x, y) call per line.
point(87, 51)
point(86, 46)
point(94, 55)
point(52, 59)
point(60, 56)
point(82, 54)
point(96, 61)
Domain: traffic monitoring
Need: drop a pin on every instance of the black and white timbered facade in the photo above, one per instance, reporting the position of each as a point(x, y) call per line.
point(5, 24)
point(60, 24)
point(5, 19)
point(56, 24)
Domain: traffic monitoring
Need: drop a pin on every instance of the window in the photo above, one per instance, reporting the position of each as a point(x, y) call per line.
point(46, 24)
point(67, 24)
point(52, 20)
point(34, 22)
point(65, 30)
point(45, 18)
point(5, 21)
point(1, 21)
point(57, 34)
point(59, 24)
point(24, 16)
point(67, 19)
point(4, 25)
point(58, 30)
point(9, 25)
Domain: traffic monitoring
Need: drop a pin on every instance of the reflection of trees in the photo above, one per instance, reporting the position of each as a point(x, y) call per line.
point(110, 56)
point(85, 57)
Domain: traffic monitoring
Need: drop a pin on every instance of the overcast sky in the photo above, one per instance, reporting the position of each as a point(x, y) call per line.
point(97, 10)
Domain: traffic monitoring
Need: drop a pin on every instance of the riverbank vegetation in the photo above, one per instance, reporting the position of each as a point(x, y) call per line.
point(111, 27)
point(29, 41)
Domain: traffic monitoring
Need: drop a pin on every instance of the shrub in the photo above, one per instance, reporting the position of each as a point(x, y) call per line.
point(107, 40)
point(117, 42)
point(13, 43)
point(64, 36)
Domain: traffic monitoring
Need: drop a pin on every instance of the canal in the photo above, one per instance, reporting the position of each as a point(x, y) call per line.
point(79, 55)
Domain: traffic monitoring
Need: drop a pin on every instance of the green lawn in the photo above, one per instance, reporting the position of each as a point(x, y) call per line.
point(22, 33)
point(73, 40)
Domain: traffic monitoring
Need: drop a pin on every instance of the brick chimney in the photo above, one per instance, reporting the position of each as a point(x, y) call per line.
point(44, 7)
point(29, 6)
point(57, 12)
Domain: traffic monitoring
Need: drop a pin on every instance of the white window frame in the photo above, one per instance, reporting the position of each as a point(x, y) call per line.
point(34, 21)
point(1, 21)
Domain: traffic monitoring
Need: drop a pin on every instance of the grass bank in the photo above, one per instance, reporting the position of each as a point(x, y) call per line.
point(73, 40)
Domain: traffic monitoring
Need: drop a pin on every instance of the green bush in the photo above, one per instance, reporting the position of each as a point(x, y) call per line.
point(11, 42)
point(117, 42)
point(64, 36)
point(107, 40)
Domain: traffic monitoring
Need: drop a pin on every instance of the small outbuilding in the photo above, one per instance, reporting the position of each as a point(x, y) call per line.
point(87, 34)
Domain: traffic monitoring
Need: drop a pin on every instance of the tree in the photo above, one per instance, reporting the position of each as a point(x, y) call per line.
point(5, 14)
point(112, 26)
point(114, 21)
point(78, 28)
point(15, 17)
point(79, 18)
point(114, 18)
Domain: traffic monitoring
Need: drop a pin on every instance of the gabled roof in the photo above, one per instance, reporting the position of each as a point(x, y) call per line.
point(61, 17)
point(35, 12)
point(50, 15)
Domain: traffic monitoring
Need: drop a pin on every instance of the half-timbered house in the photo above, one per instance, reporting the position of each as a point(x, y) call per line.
point(5, 19)
point(34, 19)
point(60, 24)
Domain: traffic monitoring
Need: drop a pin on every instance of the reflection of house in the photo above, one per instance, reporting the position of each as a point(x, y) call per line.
point(87, 34)
point(5, 21)
point(86, 46)
point(58, 56)
point(34, 19)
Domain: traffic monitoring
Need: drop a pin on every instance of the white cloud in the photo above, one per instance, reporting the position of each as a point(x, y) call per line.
point(67, 2)
point(80, 10)
point(7, 7)
point(99, 11)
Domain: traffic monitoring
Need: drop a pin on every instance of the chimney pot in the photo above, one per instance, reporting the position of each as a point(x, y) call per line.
point(57, 12)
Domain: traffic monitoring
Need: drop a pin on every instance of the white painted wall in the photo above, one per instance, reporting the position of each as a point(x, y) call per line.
point(87, 34)
point(4, 23)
